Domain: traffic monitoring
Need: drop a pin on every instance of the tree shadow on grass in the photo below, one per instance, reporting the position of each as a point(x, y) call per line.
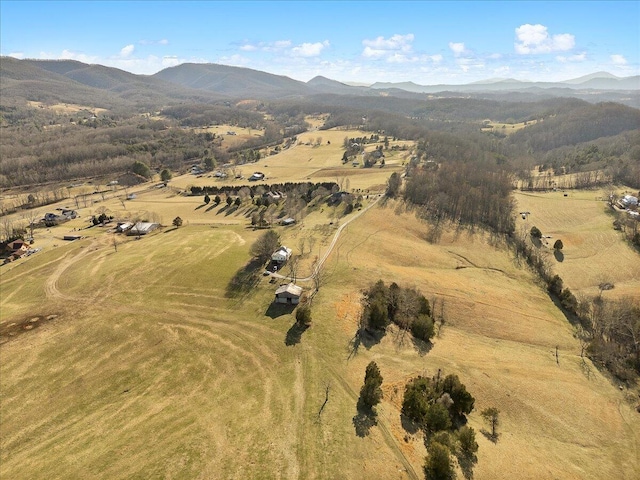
point(200, 206)
point(276, 310)
point(364, 419)
point(368, 338)
point(213, 205)
point(467, 462)
point(244, 279)
point(222, 210)
point(421, 346)
point(294, 335)
point(559, 255)
point(231, 210)
point(489, 436)
point(409, 425)
point(170, 230)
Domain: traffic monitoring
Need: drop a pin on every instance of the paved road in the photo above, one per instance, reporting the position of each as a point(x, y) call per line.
point(326, 254)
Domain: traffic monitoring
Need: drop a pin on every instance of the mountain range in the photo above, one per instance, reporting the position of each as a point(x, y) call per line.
point(76, 82)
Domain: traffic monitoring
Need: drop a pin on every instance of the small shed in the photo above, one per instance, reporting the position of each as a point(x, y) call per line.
point(289, 293)
point(281, 255)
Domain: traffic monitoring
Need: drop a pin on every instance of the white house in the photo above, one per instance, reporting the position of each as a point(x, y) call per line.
point(281, 255)
point(629, 201)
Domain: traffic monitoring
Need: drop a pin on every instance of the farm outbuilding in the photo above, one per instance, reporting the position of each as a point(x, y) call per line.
point(142, 228)
point(289, 293)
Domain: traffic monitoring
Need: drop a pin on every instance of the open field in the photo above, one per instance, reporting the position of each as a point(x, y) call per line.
point(148, 368)
point(593, 251)
point(62, 108)
point(315, 163)
point(506, 128)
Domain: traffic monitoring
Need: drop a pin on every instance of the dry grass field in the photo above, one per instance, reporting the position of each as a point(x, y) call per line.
point(506, 128)
point(314, 163)
point(593, 251)
point(66, 108)
point(139, 363)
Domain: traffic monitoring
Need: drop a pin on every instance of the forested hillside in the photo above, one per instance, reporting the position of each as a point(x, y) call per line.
point(110, 125)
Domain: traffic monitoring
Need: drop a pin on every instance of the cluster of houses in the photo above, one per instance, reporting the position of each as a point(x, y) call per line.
point(64, 215)
point(630, 204)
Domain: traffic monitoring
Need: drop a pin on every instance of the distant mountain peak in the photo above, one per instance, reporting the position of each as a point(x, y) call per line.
point(592, 76)
point(321, 80)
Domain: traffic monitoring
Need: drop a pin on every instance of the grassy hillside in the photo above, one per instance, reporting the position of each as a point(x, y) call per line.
point(593, 252)
point(137, 363)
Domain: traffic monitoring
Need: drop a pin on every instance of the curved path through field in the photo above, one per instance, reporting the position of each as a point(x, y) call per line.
point(328, 251)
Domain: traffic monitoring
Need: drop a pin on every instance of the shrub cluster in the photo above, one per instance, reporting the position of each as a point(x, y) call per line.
point(439, 407)
point(406, 307)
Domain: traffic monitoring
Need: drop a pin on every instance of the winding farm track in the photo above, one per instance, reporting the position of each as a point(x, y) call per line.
point(51, 289)
point(329, 249)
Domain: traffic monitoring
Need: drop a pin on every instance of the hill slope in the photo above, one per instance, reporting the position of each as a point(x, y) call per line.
point(232, 81)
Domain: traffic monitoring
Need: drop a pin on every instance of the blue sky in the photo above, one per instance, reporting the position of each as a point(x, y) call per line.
point(362, 41)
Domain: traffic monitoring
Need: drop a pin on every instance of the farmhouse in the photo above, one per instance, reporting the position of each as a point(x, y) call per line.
point(68, 213)
point(281, 255)
point(123, 227)
point(288, 294)
point(273, 196)
point(18, 248)
point(255, 176)
point(51, 219)
point(629, 201)
point(142, 228)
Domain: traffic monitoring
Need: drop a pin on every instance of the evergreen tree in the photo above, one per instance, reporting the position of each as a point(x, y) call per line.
point(439, 465)
point(371, 393)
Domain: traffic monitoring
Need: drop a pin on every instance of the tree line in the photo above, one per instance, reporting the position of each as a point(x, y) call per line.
point(609, 330)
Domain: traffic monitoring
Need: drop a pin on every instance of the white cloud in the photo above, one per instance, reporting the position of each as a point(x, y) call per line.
point(309, 49)
point(435, 58)
point(248, 48)
point(125, 61)
point(69, 55)
point(369, 52)
point(234, 61)
point(578, 57)
point(282, 44)
point(164, 41)
point(457, 48)
point(536, 39)
point(127, 51)
point(618, 60)
point(18, 55)
point(390, 47)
